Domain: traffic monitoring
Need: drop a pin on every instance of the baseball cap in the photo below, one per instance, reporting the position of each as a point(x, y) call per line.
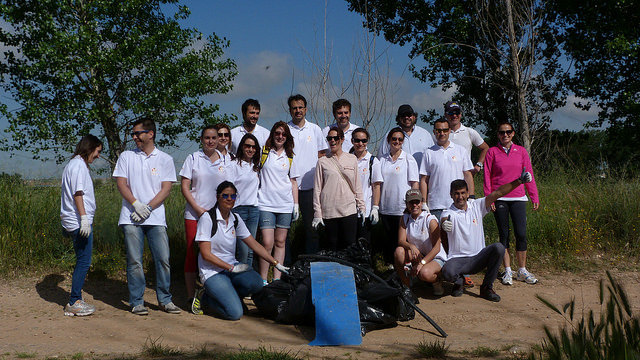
point(405, 110)
point(413, 194)
point(450, 105)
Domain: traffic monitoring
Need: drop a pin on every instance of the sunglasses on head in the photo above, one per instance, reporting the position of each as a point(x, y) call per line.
point(334, 138)
point(227, 196)
point(138, 133)
point(364, 141)
point(505, 132)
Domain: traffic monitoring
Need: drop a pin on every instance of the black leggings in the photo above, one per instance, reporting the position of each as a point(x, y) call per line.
point(340, 232)
point(518, 211)
point(389, 243)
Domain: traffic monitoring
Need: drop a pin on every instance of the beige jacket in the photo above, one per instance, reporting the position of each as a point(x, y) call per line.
point(332, 195)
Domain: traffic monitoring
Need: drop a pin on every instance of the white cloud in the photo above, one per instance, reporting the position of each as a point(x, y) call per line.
point(571, 117)
point(260, 73)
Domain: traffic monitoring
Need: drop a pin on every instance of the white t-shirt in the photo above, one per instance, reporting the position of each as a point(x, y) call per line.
point(275, 193)
point(418, 233)
point(443, 165)
point(246, 181)
point(395, 179)
point(308, 140)
point(346, 145)
point(261, 133)
point(363, 170)
point(223, 242)
point(205, 177)
point(467, 236)
point(145, 175)
point(466, 137)
point(76, 177)
point(414, 144)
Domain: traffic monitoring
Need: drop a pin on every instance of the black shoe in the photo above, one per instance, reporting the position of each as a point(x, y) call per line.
point(457, 290)
point(489, 294)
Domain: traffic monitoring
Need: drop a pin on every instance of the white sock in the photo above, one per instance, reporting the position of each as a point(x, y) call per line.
point(522, 270)
point(507, 269)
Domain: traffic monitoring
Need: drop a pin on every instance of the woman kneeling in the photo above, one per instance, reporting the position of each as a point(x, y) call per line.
point(419, 243)
point(226, 281)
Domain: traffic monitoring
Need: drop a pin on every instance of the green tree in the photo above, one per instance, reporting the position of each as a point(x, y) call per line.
point(75, 66)
point(498, 55)
point(602, 38)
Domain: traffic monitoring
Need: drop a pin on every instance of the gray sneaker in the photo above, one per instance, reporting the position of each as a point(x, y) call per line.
point(140, 310)
point(79, 308)
point(171, 308)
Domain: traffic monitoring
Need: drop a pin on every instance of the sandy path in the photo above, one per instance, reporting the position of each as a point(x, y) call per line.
point(32, 321)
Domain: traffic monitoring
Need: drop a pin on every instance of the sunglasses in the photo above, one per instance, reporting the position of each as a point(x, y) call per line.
point(442, 131)
point(138, 133)
point(249, 146)
point(505, 132)
point(400, 139)
point(334, 138)
point(454, 112)
point(279, 133)
point(224, 134)
point(227, 196)
point(364, 141)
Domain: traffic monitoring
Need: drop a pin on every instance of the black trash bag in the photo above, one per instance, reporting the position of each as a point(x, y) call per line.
point(372, 318)
point(298, 309)
point(272, 297)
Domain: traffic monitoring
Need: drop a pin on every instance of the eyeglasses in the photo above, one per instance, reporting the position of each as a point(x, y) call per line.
point(505, 132)
point(400, 139)
point(249, 146)
point(279, 133)
point(454, 112)
point(442, 131)
point(227, 196)
point(224, 134)
point(138, 133)
point(334, 138)
point(364, 141)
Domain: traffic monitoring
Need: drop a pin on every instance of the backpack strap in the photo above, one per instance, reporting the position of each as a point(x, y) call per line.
point(264, 156)
point(371, 168)
point(214, 220)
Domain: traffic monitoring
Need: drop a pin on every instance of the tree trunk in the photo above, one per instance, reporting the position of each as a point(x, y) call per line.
point(523, 120)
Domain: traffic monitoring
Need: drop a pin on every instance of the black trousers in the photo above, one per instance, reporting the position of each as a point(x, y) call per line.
point(388, 244)
point(339, 232)
point(488, 258)
point(518, 212)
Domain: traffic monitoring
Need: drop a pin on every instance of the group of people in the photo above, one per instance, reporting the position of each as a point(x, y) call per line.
point(250, 177)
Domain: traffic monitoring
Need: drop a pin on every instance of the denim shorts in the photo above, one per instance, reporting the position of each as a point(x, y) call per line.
point(439, 261)
point(270, 220)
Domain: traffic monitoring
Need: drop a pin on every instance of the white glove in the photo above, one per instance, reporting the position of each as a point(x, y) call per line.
point(316, 222)
point(361, 216)
point(143, 210)
point(282, 268)
point(525, 177)
point(85, 226)
point(238, 268)
point(296, 212)
point(374, 217)
point(425, 207)
point(135, 217)
point(447, 225)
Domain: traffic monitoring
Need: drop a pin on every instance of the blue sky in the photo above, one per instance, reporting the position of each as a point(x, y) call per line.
point(278, 46)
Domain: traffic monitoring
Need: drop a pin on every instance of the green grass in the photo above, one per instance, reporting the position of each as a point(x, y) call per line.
point(483, 351)
point(579, 219)
point(432, 349)
point(25, 355)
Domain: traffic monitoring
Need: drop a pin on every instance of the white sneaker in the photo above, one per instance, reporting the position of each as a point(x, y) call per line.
point(507, 278)
point(438, 289)
point(79, 308)
point(527, 277)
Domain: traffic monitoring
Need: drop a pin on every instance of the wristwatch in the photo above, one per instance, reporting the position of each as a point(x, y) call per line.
point(423, 262)
point(480, 165)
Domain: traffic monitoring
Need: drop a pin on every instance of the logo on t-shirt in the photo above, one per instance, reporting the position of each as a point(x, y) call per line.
point(154, 172)
point(454, 158)
point(221, 168)
point(397, 169)
point(475, 221)
point(309, 138)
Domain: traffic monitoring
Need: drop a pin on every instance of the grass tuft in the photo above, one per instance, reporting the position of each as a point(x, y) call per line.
point(483, 351)
point(25, 355)
point(433, 349)
point(155, 348)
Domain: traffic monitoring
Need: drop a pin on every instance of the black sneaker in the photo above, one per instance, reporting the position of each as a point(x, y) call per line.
point(457, 290)
point(489, 294)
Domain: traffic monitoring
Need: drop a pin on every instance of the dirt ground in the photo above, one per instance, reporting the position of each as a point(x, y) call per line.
point(32, 321)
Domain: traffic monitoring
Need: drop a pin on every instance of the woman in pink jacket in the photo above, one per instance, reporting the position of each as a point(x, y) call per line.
point(502, 163)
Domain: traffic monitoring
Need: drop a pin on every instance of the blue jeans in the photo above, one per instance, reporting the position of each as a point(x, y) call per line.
point(250, 215)
point(159, 245)
point(224, 292)
point(83, 248)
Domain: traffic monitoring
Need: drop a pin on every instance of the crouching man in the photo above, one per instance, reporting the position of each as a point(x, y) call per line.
point(463, 236)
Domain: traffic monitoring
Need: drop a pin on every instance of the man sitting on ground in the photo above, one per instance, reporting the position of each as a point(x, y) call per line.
point(464, 237)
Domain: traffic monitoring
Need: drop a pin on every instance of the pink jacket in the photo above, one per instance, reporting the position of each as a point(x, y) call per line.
point(500, 168)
